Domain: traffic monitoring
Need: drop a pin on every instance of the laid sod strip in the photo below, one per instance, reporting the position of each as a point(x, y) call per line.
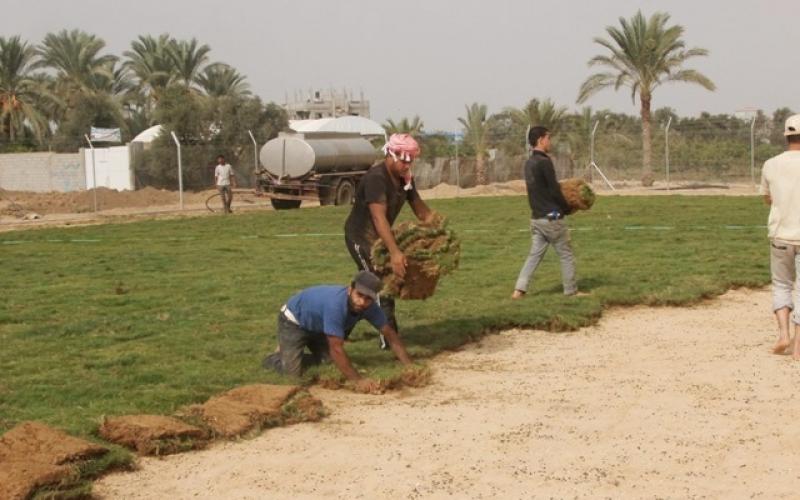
point(184, 309)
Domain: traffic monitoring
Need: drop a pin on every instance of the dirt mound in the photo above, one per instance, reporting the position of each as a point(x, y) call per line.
point(16, 202)
point(152, 434)
point(444, 190)
point(252, 407)
point(33, 455)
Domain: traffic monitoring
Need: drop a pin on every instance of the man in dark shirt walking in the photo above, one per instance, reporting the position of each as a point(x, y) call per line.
point(548, 209)
point(380, 196)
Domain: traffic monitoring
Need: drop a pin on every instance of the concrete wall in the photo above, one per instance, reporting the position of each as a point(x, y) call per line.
point(42, 172)
point(112, 166)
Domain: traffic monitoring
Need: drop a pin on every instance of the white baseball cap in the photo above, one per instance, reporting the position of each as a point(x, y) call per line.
point(792, 126)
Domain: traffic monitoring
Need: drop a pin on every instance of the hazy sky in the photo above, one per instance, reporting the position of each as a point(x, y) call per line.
point(432, 57)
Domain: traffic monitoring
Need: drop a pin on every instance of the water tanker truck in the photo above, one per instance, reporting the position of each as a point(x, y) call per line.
point(324, 166)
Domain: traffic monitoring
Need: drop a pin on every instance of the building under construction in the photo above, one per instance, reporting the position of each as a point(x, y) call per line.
point(314, 104)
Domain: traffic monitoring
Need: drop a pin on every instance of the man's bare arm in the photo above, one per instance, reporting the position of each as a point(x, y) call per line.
point(378, 213)
point(396, 344)
point(421, 210)
point(340, 358)
point(342, 362)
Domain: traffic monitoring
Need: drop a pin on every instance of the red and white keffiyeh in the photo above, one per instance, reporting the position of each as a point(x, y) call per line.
point(402, 147)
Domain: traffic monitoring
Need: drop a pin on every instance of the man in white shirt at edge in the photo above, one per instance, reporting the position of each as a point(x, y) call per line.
point(780, 185)
point(225, 178)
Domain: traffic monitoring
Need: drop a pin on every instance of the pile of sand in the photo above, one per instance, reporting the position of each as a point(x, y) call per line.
point(18, 203)
point(444, 190)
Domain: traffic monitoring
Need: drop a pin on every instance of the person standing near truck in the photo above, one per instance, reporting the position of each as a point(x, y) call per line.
point(380, 195)
point(225, 178)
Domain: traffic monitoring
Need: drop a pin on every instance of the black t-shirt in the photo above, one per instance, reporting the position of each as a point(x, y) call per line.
point(376, 187)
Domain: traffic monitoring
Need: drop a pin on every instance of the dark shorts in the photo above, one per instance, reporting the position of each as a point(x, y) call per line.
point(360, 251)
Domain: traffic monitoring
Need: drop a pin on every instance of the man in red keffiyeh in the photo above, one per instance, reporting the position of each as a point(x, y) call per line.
point(380, 195)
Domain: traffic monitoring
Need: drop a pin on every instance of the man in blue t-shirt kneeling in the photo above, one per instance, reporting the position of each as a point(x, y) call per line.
point(321, 318)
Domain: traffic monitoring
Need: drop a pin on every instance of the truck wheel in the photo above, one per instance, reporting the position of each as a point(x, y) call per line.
point(327, 195)
point(345, 192)
point(278, 204)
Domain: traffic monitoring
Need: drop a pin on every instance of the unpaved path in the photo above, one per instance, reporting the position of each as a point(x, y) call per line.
point(651, 402)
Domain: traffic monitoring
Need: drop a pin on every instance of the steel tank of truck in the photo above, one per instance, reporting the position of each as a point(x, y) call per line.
point(296, 156)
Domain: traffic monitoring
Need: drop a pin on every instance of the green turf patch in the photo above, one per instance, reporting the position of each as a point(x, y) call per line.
point(149, 316)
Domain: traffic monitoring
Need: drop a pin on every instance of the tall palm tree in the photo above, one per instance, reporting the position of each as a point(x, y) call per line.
point(188, 59)
point(221, 80)
point(644, 53)
point(413, 126)
point(476, 135)
point(75, 56)
point(151, 64)
point(19, 91)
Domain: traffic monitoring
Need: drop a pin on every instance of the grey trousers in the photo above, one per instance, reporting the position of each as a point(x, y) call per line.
point(291, 358)
point(544, 233)
point(227, 197)
point(784, 264)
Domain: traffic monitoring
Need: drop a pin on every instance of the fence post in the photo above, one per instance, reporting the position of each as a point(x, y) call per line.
point(666, 148)
point(94, 173)
point(591, 150)
point(180, 168)
point(753, 152)
point(255, 151)
point(458, 173)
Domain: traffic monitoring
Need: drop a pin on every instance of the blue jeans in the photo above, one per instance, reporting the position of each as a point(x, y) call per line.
point(546, 232)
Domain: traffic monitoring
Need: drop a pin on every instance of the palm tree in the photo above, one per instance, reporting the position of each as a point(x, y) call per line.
point(150, 63)
point(19, 91)
point(544, 113)
point(644, 53)
point(75, 56)
point(221, 80)
point(476, 135)
point(188, 58)
point(404, 126)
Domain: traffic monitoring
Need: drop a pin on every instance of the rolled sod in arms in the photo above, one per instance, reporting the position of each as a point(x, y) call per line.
point(431, 249)
point(579, 195)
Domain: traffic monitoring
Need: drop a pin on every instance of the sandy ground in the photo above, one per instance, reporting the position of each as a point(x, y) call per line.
point(651, 402)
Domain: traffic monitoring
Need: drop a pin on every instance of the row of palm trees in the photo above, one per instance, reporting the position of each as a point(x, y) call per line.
point(641, 55)
point(41, 86)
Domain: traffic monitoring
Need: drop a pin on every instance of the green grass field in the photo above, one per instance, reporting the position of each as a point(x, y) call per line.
point(148, 316)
